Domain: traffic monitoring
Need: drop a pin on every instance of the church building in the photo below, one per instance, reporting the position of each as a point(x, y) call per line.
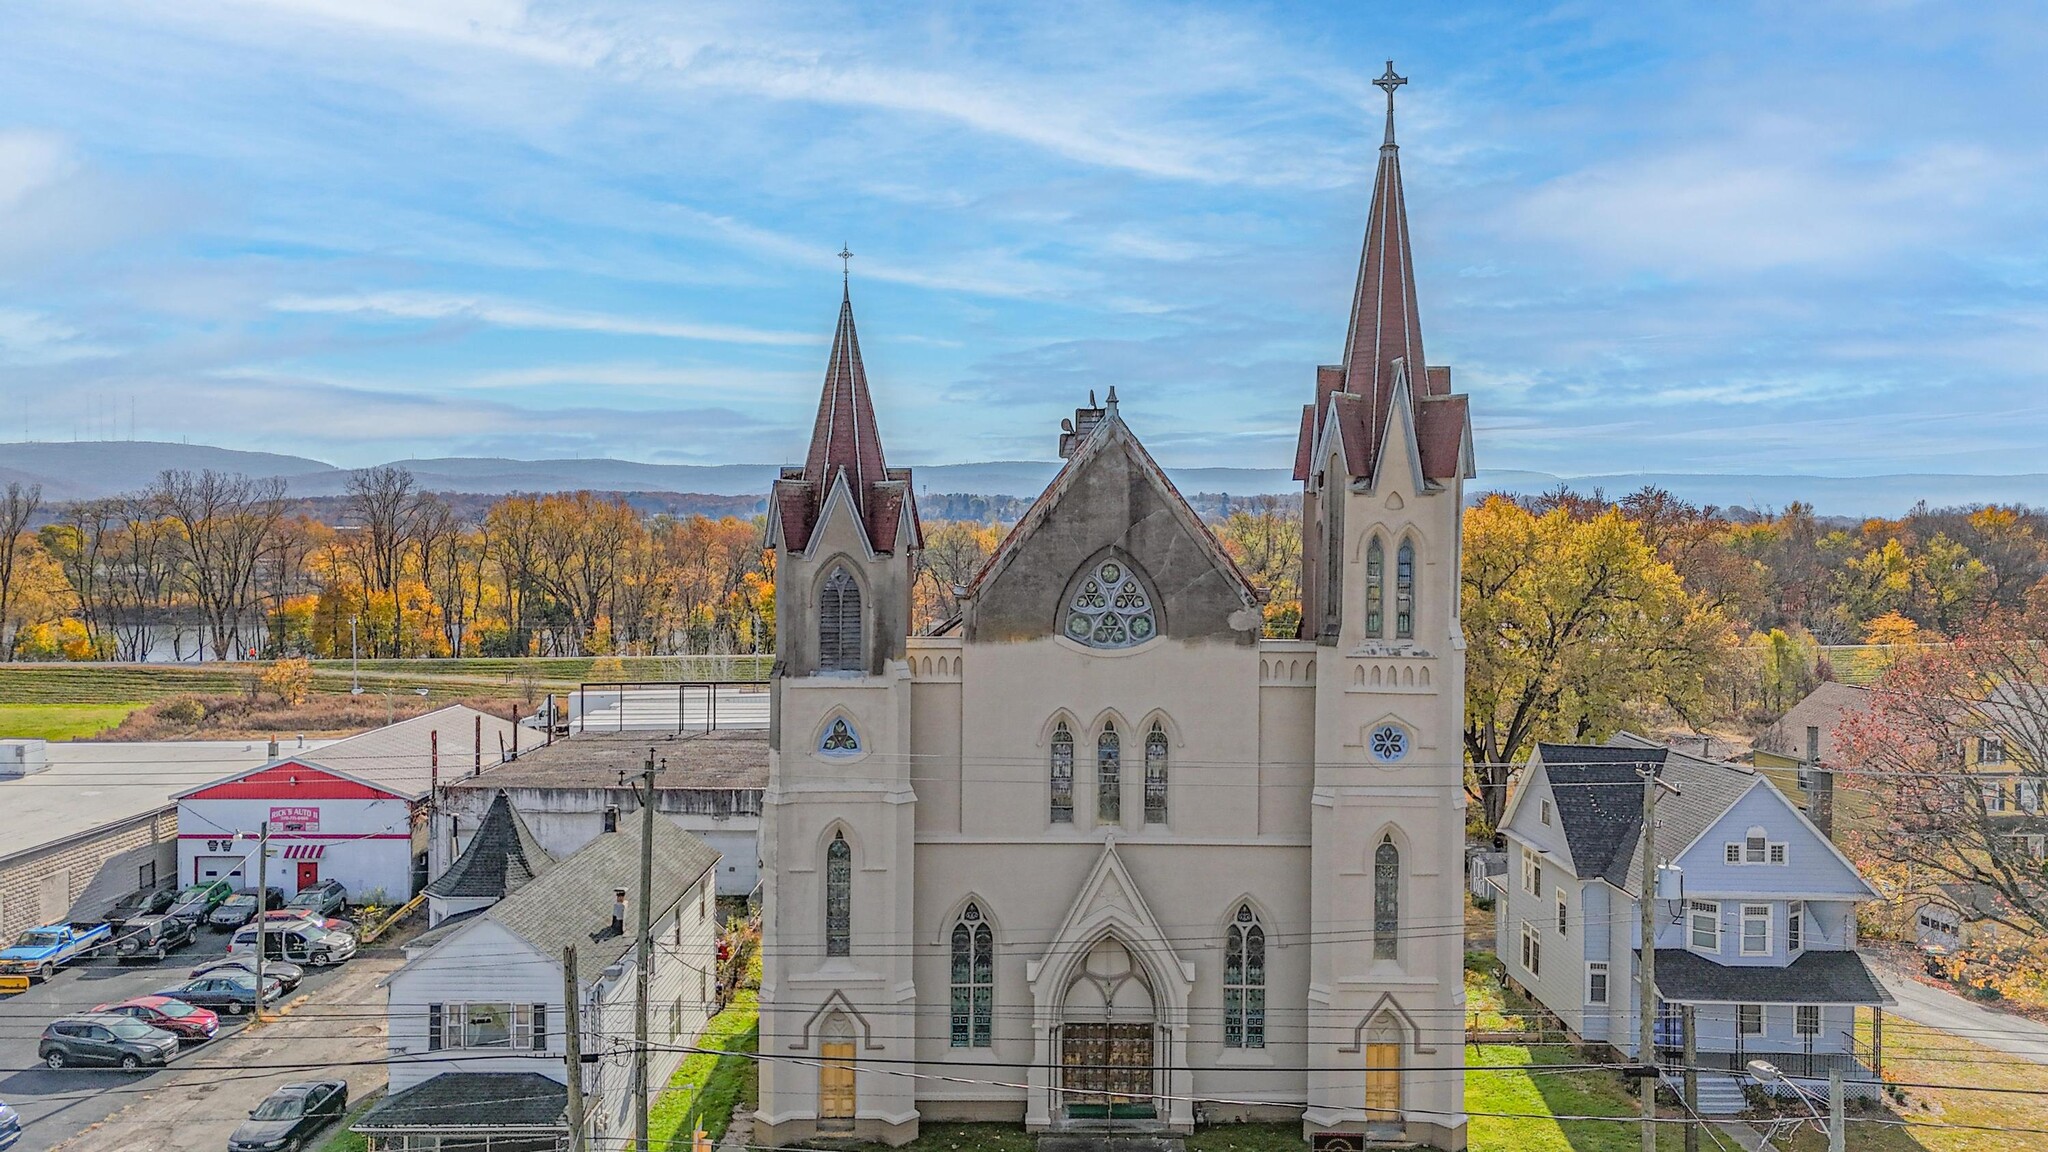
point(1096, 855)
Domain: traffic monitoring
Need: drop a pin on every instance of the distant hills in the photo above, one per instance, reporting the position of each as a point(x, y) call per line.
point(92, 469)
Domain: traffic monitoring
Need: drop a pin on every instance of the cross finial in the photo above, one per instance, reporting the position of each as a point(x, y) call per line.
point(845, 262)
point(1387, 82)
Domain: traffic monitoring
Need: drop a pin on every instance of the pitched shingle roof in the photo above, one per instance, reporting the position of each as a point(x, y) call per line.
point(502, 856)
point(1815, 978)
point(1598, 793)
point(471, 1101)
point(571, 903)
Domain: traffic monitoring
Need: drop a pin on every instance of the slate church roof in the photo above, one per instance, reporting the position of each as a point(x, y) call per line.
point(502, 856)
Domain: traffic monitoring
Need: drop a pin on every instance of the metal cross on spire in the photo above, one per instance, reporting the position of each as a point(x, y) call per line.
point(845, 263)
point(1387, 82)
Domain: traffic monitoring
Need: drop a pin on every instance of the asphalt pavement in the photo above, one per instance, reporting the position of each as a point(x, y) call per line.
point(55, 1105)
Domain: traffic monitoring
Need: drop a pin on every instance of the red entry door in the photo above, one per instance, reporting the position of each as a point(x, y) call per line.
point(309, 873)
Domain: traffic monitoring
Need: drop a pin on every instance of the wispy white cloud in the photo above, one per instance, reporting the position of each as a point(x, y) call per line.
point(431, 306)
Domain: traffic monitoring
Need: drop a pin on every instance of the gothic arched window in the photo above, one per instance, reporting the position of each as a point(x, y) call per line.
point(1062, 772)
point(1109, 777)
point(839, 630)
point(838, 897)
point(1333, 557)
point(1111, 609)
point(1375, 588)
point(1244, 981)
point(1155, 774)
point(1386, 900)
point(974, 980)
point(1404, 591)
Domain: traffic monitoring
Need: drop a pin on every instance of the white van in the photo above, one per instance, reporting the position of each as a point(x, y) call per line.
point(305, 944)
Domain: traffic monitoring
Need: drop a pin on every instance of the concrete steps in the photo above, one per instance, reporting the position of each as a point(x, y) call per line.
point(1718, 1095)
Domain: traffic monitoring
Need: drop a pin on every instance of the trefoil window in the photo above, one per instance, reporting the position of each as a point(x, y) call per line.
point(1111, 608)
point(840, 739)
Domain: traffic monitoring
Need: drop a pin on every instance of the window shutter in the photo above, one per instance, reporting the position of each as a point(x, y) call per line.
point(540, 1027)
point(433, 1027)
point(839, 635)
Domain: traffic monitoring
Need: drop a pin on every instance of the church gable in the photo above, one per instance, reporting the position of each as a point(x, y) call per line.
point(1112, 555)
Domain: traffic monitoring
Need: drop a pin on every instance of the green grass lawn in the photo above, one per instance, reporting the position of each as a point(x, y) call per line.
point(339, 1138)
point(705, 1088)
point(60, 721)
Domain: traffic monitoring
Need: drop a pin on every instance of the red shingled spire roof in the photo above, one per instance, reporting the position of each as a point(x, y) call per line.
point(845, 438)
point(1385, 324)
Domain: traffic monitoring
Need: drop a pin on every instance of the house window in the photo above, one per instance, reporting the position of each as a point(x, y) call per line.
point(1404, 591)
point(974, 980)
point(1244, 981)
point(521, 1026)
point(1545, 811)
point(1756, 929)
point(1777, 853)
point(1563, 922)
point(1734, 852)
point(1062, 773)
point(1532, 873)
point(1806, 1020)
point(1386, 900)
point(1596, 982)
point(1754, 847)
point(1375, 589)
point(839, 897)
point(1749, 1019)
point(611, 818)
point(839, 631)
point(1795, 926)
point(1111, 608)
point(1532, 950)
point(2027, 793)
point(1109, 777)
point(1703, 923)
point(1994, 795)
point(675, 1018)
point(1155, 775)
point(1990, 750)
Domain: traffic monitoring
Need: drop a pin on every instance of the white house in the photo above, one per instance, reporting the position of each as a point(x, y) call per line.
point(353, 810)
point(476, 1016)
point(1755, 913)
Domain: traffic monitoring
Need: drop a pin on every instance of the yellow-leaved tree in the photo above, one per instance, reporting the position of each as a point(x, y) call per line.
point(1574, 628)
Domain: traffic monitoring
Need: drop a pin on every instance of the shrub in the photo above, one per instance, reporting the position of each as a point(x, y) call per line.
point(185, 710)
point(291, 678)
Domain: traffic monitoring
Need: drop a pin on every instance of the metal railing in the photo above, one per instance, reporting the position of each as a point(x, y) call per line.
point(701, 695)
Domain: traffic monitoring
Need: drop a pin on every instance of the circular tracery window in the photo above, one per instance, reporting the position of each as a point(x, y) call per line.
point(1388, 743)
point(1111, 609)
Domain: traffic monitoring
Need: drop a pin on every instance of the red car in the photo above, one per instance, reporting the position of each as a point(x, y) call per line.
point(185, 1021)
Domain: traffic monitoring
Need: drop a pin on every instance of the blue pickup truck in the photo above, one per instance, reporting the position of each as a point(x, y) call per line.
point(39, 952)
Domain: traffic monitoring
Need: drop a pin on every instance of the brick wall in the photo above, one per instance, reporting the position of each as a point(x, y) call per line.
point(69, 865)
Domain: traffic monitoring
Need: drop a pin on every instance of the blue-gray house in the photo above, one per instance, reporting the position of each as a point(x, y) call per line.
point(1755, 914)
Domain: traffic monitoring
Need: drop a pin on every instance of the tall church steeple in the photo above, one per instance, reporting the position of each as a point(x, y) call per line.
point(1386, 325)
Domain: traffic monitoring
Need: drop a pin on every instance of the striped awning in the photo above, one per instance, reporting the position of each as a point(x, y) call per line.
point(304, 851)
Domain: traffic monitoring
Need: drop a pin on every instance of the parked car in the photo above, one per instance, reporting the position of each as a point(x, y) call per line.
point(153, 937)
point(233, 912)
point(39, 952)
point(10, 1127)
point(232, 994)
point(308, 916)
point(326, 897)
point(298, 942)
point(185, 1021)
point(198, 901)
point(288, 1117)
point(109, 1040)
point(244, 964)
point(135, 905)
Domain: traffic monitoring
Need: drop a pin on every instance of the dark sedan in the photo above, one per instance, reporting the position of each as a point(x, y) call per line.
point(233, 912)
point(290, 1117)
point(244, 964)
point(232, 994)
point(185, 1021)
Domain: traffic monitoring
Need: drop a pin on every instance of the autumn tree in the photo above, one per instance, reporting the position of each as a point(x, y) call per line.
point(225, 524)
point(1263, 537)
point(1575, 627)
point(954, 550)
point(18, 507)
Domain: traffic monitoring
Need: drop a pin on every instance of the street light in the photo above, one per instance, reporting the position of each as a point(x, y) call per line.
point(1829, 1125)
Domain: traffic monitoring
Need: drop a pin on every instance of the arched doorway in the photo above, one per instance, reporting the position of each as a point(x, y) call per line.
point(836, 1102)
point(1383, 1042)
point(1108, 1038)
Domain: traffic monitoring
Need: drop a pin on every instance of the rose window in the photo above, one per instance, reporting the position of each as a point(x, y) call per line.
point(1111, 609)
point(1388, 743)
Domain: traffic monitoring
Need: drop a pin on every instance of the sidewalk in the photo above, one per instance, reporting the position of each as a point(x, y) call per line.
point(197, 1109)
point(1932, 1007)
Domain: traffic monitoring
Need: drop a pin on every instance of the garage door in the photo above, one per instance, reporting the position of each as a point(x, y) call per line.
point(229, 868)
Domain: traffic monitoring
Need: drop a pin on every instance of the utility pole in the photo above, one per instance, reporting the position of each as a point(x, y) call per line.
point(644, 959)
point(572, 1041)
point(262, 909)
point(355, 679)
point(1646, 1053)
point(1837, 1113)
point(1692, 1081)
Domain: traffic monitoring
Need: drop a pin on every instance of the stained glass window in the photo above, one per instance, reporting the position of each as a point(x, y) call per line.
point(838, 897)
point(839, 634)
point(1111, 608)
point(1062, 771)
point(1375, 588)
point(1155, 775)
point(1404, 591)
point(840, 739)
point(1244, 982)
point(974, 965)
point(1333, 558)
point(1109, 777)
point(1386, 900)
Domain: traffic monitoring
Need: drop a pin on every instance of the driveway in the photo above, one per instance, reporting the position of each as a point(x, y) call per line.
point(1934, 1008)
point(335, 1032)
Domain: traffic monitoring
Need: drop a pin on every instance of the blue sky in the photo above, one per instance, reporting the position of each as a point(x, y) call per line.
point(1797, 237)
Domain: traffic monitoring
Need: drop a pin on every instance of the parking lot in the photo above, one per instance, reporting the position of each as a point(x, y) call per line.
point(56, 1105)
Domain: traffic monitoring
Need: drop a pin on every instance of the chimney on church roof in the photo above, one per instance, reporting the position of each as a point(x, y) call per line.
point(1075, 432)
